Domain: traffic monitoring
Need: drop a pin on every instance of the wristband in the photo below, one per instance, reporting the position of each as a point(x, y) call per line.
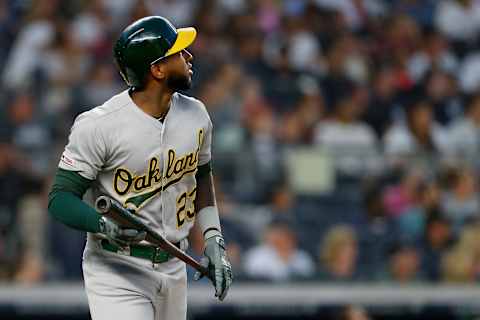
point(209, 222)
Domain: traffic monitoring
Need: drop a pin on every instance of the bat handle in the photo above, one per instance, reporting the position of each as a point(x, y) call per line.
point(103, 204)
point(203, 270)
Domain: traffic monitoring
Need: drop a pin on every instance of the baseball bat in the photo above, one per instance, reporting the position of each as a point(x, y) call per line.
point(110, 208)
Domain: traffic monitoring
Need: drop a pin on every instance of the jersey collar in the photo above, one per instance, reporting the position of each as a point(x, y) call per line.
point(127, 99)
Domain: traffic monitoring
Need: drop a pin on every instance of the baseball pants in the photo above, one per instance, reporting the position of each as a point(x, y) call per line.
point(125, 288)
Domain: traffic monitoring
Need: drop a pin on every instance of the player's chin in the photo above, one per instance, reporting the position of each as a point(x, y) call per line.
point(179, 83)
point(187, 82)
point(189, 76)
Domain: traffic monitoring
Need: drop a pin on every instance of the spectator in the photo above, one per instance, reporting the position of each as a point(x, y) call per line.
point(30, 135)
point(346, 65)
point(376, 234)
point(458, 19)
point(283, 88)
point(422, 11)
point(353, 12)
point(63, 64)
point(458, 266)
point(441, 91)
point(403, 39)
point(464, 134)
point(223, 97)
point(468, 74)
point(32, 221)
point(460, 201)
point(281, 208)
point(437, 239)
point(8, 17)
point(420, 135)
point(384, 104)
point(436, 54)
point(91, 26)
point(180, 11)
point(100, 83)
point(261, 163)
point(242, 230)
point(35, 36)
point(282, 203)
point(16, 186)
point(278, 258)
point(411, 223)
point(297, 127)
point(404, 264)
point(351, 142)
point(469, 241)
point(353, 313)
point(303, 50)
point(338, 254)
point(403, 196)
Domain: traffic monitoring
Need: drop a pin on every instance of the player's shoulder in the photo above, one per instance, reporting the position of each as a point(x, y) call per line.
point(99, 113)
point(191, 104)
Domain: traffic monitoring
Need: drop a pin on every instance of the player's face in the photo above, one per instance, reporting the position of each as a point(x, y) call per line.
point(179, 71)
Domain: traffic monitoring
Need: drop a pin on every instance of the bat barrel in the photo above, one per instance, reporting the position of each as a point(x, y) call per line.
point(103, 204)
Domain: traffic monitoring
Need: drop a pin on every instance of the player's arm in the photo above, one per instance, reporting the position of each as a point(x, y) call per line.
point(220, 270)
point(66, 205)
point(205, 203)
point(82, 159)
point(216, 260)
point(65, 201)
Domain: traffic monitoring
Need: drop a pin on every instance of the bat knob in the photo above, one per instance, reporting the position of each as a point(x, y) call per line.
point(103, 204)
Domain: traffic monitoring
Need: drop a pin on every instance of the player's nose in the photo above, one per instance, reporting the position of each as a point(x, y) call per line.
point(187, 55)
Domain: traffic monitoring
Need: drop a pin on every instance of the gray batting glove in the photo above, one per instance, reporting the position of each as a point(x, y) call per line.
point(219, 268)
point(118, 236)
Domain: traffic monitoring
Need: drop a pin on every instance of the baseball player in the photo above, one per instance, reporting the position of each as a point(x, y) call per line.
point(148, 148)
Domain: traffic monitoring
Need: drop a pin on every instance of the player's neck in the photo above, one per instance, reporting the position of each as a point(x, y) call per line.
point(153, 102)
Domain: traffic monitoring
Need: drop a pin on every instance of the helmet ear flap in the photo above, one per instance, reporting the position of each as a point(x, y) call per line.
point(131, 76)
point(124, 76)
point(119, 61)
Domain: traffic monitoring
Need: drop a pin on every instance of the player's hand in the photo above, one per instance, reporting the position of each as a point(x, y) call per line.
point(119, 236)
point(219, 268)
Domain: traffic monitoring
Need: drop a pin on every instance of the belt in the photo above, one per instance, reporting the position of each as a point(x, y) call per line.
point(154, 254)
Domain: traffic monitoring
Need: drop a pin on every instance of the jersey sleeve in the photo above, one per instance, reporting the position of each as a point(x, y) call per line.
point(205, 154)
point(85, 152)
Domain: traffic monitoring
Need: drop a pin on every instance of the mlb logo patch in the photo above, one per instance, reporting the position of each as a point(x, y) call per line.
point(67, 160)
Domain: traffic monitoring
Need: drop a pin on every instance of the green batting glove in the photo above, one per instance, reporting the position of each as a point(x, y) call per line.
point(219, 268)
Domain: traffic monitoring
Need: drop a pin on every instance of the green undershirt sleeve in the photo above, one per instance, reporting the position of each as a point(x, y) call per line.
point(65, 202)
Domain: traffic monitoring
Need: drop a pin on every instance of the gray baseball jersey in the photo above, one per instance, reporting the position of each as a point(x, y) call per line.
point(143, 163)
point(148, 166)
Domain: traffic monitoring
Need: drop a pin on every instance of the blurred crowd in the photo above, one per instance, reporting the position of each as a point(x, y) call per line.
point(346, 143)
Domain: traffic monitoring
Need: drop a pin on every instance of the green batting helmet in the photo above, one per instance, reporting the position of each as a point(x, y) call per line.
point(144, 43)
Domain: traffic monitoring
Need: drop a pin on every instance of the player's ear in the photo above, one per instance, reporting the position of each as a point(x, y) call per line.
point(158, 71)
